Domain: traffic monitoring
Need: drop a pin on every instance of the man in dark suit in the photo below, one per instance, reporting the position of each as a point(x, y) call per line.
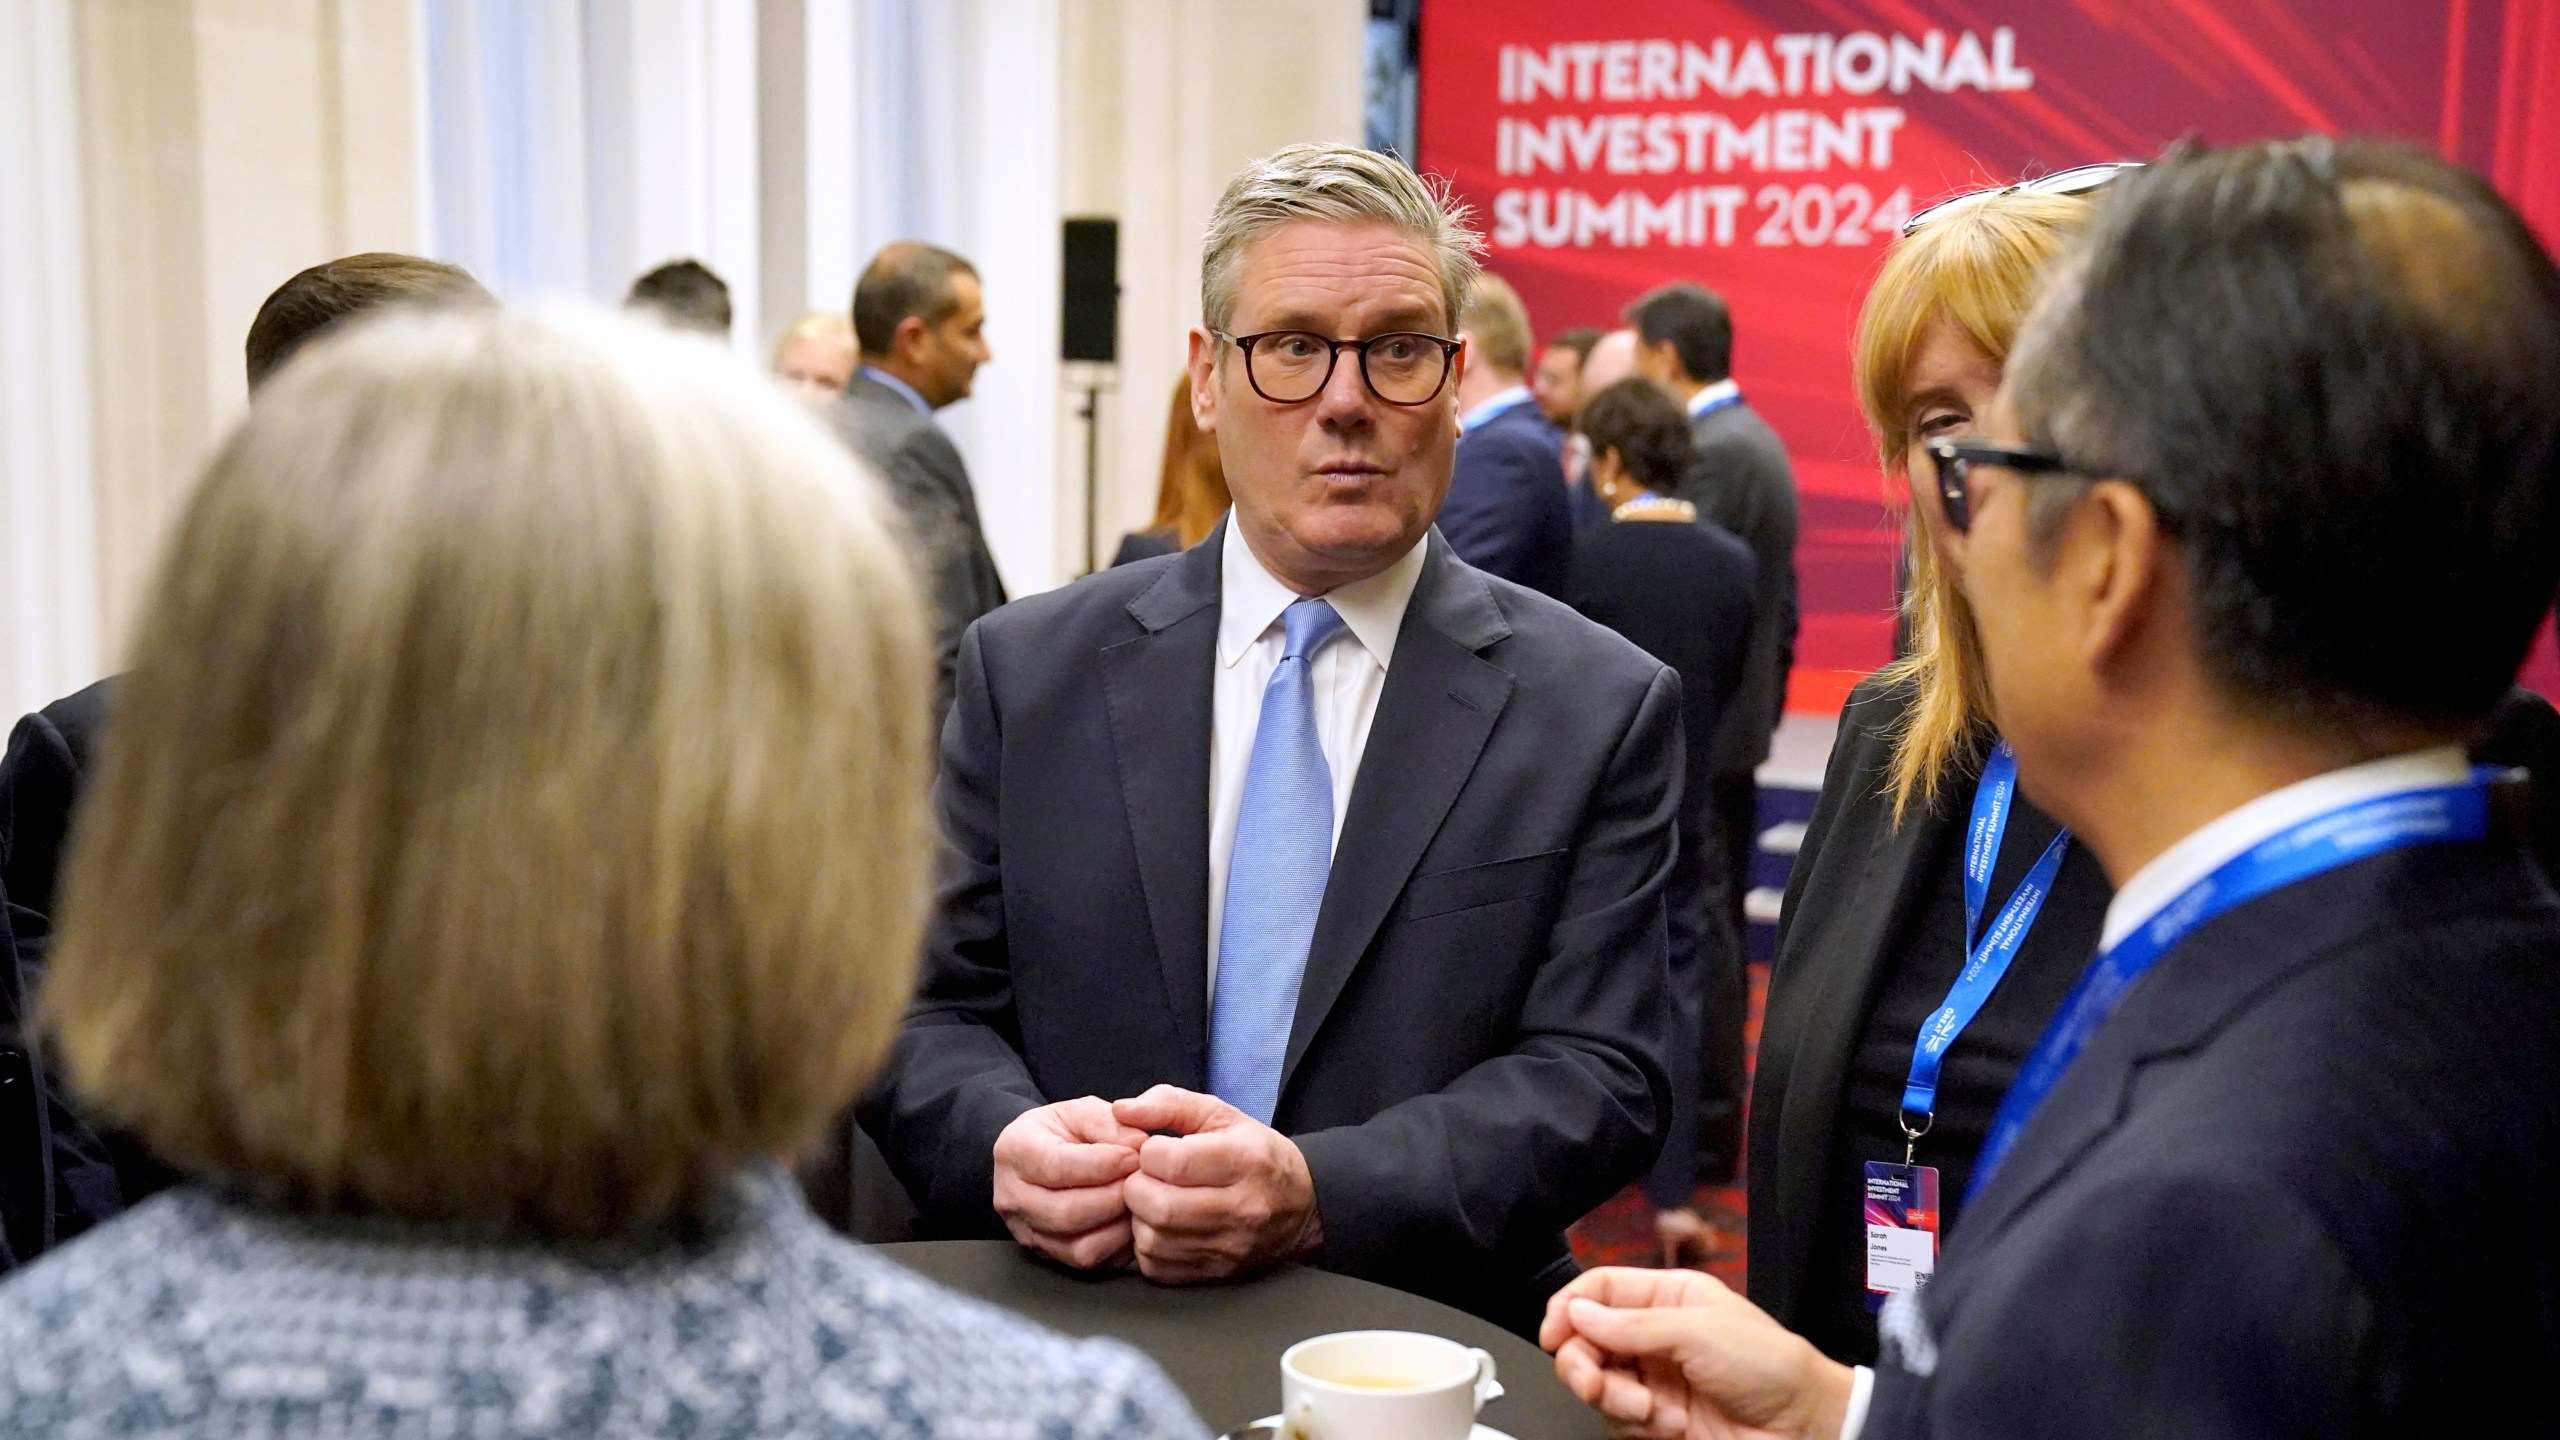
point(2246, 576)
point(1742, 481)
point(920, 320)
point(1305, 889)
point(41, 778)
point(1508, 513)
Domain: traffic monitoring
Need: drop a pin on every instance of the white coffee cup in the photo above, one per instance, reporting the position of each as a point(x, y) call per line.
point(1383, 1385)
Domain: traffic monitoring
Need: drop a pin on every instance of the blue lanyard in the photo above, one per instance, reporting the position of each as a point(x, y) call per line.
point(1721, 402)
point(1987, 954)
point(2437, 815)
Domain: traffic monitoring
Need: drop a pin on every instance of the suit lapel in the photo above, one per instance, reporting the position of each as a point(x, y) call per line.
point(1157, 687)
point(1439, 705)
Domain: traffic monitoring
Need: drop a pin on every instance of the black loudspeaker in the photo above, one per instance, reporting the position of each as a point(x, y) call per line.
point(1089, 320)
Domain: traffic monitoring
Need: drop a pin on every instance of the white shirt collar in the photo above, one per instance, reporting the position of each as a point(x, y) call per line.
point(1250, 600)
point(1726, 389)
point(2170, 873)
point(1493, 405)
point(913, 397)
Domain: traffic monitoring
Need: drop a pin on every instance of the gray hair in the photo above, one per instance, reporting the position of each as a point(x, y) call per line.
point(1341, 183)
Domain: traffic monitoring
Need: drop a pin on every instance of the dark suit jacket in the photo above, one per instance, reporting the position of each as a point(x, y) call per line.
point(924, 473)
point(1478, 1055)
point(1742, 481)
point(1683, 593)
point(1850, 895)
point(2299, 1184)
point(1507, 513)
point(58, 1175)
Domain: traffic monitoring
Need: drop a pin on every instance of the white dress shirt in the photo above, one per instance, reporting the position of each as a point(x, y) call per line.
point(2174, 870)
point(1348, 675)
point(1712, 394)
point(1493, 405)
point(904, 390)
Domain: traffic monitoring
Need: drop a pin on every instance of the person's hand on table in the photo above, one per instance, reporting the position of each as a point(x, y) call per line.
point(1225, 1195)
point(1060, 1170)
point(1674, 1355)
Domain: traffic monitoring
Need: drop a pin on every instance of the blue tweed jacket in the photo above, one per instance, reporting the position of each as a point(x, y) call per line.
point(194, 1315)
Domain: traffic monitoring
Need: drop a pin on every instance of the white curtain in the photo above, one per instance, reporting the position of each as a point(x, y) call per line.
point(781, 142)
point(49, 598)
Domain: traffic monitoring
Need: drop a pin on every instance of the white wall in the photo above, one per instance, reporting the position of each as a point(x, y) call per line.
point(1166, 100)
point(49, 595)
point(167, 163)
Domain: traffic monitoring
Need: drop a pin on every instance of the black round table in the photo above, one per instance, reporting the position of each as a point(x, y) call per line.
point(1221, 1343)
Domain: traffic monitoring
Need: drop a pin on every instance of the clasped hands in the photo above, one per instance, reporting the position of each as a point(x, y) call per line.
point(1184, 1186)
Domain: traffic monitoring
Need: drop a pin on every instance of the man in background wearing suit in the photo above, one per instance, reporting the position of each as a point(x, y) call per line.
point(2246, 577)
point(1304, 890)
point(1684, 342)
point(77, 1177)
point(920, 320)
point(1507, 513)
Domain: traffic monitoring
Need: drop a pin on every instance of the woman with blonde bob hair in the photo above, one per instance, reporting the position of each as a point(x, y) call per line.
point(1877, 927)
point(509, 852)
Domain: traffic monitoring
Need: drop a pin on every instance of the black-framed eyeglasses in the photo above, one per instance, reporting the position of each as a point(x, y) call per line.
point(2078, 180)
point(1954, 461)
point(1289, 367)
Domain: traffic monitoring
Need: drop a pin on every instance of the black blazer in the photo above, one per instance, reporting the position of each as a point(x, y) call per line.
point(924, 473)
point(1507, 512)
point(1850, 898)
point(1479, 1052)
point(93, 1176)
point(1741, 480)
point(2299, 1184)
point(1683, 593)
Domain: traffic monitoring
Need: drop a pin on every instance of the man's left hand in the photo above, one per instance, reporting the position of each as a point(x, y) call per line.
point(1223, 1196)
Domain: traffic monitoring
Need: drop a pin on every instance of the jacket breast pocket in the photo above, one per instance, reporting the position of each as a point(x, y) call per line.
point(1495, 882)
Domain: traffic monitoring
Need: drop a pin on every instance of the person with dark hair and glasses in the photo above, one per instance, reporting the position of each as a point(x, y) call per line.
point(1680, 586)
point(1304, 890)
point(2245, 578)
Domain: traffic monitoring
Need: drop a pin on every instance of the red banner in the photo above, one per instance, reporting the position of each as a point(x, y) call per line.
point(1770, 149)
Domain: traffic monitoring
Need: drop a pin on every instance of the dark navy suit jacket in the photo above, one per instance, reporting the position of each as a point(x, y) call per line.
point(1479, 1055)
point(1508, 513)
point(2299, 1184)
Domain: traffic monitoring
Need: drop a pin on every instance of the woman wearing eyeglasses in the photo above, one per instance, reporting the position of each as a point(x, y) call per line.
point(1857, 1117)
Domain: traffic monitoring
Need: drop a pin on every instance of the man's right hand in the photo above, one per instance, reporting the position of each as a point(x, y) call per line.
point(1058, 1174)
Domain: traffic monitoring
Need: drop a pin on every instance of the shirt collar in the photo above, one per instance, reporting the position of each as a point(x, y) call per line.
point(1250, 600)
point(894, 383)
point(1493, 405)
point(1726, 389)
point(2179, 867)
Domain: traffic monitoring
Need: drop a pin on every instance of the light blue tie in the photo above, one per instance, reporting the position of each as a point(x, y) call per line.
point(1275, 879)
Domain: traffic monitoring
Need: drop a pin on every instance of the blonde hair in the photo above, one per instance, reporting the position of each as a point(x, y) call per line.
point(1342, 183)
point(514, 813)
point(1499, 323)
point(1976, 267)
point(1193, 491)
point(816, 325)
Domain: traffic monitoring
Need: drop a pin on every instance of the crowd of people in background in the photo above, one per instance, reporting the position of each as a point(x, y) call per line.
point(1351, 873)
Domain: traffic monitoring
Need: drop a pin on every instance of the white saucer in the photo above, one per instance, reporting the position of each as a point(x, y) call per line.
point(1481, 1432)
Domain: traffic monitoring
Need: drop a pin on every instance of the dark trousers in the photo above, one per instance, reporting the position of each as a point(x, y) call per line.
point(1734, 803)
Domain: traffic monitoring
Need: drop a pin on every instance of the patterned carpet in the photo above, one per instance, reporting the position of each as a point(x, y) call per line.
point(1621, 1232)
